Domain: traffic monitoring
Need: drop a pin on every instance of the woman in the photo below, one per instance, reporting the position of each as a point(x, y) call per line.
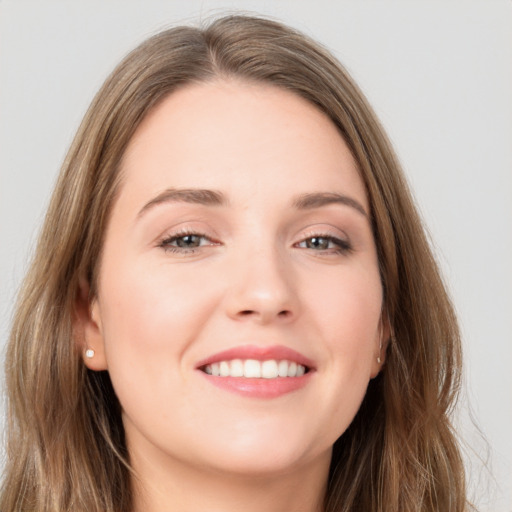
point(240, 298)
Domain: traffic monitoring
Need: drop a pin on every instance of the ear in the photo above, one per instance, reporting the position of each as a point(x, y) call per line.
point(87, 329)
point(381, 345)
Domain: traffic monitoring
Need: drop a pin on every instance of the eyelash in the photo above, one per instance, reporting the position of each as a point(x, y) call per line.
point(341, 246)
point(168, 240)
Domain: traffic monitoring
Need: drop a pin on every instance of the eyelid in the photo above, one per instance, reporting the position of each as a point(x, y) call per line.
point(185, 228)
point(165, 240)
point(324, 230)
point(342, 241)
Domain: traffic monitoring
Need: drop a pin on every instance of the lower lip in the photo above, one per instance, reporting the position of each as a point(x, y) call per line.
point(259, 388)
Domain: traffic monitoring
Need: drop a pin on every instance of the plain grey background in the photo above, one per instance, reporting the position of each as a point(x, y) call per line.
point(439, 75)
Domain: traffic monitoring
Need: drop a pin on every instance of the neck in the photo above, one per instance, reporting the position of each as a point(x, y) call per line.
point(185, 489)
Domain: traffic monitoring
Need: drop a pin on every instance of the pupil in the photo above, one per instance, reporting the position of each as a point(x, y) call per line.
point(318, 243)
point(188, 241)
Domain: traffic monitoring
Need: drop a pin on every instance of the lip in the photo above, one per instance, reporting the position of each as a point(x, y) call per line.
point(258, 353)
point(259, 387)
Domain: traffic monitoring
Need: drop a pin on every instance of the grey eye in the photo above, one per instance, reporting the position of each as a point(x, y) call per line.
point(325, 243)
point(188, 241)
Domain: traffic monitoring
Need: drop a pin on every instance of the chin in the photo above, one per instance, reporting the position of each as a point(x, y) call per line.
point(268, 465)
point(257, 455)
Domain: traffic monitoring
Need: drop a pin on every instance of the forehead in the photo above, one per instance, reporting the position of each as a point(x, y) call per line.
point(239, 137)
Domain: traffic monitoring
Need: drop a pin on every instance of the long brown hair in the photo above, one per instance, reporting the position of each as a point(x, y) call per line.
point(66, 448)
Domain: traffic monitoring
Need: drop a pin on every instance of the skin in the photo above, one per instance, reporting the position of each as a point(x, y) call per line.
point(256, 277)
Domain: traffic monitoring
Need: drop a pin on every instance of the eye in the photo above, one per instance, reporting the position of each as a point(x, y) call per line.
point(326, 244)
point(185, 242)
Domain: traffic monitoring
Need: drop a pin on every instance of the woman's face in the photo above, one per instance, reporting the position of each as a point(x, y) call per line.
point(239, 244)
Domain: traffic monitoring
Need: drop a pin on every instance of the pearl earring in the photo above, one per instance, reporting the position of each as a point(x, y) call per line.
point(89, 353)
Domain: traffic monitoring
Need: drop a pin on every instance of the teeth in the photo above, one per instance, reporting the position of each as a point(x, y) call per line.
point(224, 369)
point(269, 369)
point(237, 368)
point(253, 369)
point(282, 369)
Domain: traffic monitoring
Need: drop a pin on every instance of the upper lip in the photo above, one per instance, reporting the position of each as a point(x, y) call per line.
point(259, 353)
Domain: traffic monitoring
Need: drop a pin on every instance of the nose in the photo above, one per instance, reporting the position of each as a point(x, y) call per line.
point(262, 289)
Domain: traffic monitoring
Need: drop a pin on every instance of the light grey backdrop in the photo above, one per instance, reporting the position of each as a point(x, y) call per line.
point(439, 74)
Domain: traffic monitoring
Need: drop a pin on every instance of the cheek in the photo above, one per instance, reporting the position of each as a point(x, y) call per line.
point(144, 299)
point(152, 313)
point(149, 318)
point(347, 316)
point(348, 306)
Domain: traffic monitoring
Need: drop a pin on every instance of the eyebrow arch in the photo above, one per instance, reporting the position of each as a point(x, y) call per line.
point(187, 195)
point(318, 199)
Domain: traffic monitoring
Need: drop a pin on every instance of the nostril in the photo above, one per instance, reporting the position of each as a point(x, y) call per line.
point(249, 312)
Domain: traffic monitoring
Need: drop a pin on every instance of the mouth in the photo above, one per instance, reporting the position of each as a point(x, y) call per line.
point(259, 372)
point(254, 369)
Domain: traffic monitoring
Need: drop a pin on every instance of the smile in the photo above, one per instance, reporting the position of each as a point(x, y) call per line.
point(261, 372)
point(254, 369)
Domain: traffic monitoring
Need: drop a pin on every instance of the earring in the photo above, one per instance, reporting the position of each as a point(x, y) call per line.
point(89, 353)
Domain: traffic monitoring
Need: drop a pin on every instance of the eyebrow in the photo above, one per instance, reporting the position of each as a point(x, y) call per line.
point(319, 199)
point(208, 197)
point(187, 195)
